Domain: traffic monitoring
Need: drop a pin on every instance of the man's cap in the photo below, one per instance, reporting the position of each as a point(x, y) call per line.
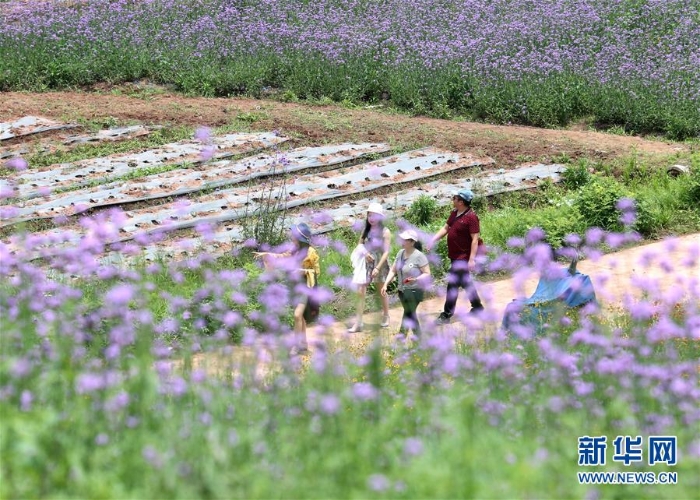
point(465, 194)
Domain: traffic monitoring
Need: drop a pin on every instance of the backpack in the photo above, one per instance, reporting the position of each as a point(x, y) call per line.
point(313, 307)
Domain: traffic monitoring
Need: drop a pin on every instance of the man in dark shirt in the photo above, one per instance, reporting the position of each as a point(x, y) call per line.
point(462, 230)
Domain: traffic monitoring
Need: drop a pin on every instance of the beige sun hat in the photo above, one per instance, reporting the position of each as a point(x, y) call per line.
point(409, 234)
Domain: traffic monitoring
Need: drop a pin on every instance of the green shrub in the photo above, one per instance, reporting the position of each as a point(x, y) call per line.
point(651, 217)
point(691, 189)
point(665, 203)
point(576, 176)
point(557, 222)
point(597, 201)
point(498, 226)
point(423, 211)
point(267, 223)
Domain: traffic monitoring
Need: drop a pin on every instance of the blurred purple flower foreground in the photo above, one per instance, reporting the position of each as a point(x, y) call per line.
point(183, 370)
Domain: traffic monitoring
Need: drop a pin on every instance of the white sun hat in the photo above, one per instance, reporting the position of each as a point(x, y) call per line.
point(375, 208)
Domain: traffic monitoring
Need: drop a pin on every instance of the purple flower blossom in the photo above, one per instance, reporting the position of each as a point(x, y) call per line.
point(572, 240)
point(231, 319)
point(25, 400)
point(152, 456)
point(8, 192)
point(412, 447)
point(628, 218)
point(556, 404)
point(626, 204)
point(117, 402)
point(8, 213)
point(594, 236)
point(540, 456)
point(694, 449)
point(615, 240)
point(378, 482)
point(17, 164)
point(534, 235)
point(233, 438)
point(515, 242)
point(329, 404)
point(21, 368)
point(320, 218)
point(641, 311)
point(174, 386)
point(364, 391)
point(120, 295)
point(87, 383)
point(592, 494)
point(203, 134)
point(207, 153)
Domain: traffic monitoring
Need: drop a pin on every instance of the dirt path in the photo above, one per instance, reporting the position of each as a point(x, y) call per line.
point(508, 145)
point(672, 263)
point(612, 275)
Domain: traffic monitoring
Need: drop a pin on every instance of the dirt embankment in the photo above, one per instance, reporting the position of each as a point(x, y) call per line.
point(508, 145)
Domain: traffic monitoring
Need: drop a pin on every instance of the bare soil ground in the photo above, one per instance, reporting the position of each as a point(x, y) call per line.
point(508, 145)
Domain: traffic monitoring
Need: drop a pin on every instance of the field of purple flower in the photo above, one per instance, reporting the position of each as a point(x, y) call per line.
point(632, 64)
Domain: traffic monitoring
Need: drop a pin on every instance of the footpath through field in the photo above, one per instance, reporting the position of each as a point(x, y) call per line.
point(673, 262)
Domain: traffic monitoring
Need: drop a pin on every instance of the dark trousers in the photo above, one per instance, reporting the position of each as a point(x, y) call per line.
point(409, 300)
point(459, 277)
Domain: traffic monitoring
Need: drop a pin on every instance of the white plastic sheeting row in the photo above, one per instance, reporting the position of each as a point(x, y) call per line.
point(71, 141)
point(30, 125)
point(228, 235)
point(40, 182)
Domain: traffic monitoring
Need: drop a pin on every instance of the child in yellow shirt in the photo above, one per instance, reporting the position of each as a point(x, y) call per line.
point(305, 308)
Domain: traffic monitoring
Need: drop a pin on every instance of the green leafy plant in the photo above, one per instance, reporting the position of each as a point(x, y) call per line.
point(422, 211)
point(267, 222)
point(691, 191)
point(250, 117)
point(597, 201)
point(576, 176)
point(289, 96)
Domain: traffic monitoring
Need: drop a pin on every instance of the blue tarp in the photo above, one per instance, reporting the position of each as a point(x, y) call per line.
point(563, 291)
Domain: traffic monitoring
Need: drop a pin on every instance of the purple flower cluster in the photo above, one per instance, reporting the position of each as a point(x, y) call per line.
point(613, 41)
point(642, 49)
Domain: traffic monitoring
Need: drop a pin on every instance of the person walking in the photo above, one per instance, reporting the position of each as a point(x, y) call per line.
point(375, 243)
point(462, 231)
point(411, 267)
point(305, 269)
